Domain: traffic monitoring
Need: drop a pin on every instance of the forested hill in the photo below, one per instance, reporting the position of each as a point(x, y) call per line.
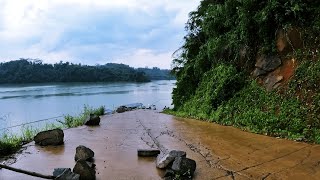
point(35, 71)
point(254, 65)
point(157, 74)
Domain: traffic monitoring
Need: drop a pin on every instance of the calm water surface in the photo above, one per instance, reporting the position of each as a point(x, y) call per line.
point(26, 103)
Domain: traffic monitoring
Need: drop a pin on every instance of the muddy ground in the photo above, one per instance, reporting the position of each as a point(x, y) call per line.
point(220, 152)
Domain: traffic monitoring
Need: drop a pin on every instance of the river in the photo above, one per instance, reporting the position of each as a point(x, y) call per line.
point(25, 103)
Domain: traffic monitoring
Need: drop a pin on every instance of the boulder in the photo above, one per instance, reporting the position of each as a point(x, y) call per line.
point(84, 170)
point(184, 167)
point(163, 161)
point(83, 153)
point(51, 137)
point(65, 174)
point(92, 120)
point(268, 63)
point(148, 152)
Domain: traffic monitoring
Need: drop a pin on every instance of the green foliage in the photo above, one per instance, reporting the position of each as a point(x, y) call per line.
point(78, 120)
point(218, 85)
point(220, 49)
point(233, 33)
point(34, 71)
point(256, 110)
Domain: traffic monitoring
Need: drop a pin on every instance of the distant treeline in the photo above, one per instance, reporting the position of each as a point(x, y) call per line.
point(157, 74)
point(35, 71)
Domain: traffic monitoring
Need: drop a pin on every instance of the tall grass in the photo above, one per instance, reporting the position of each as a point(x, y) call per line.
point(11, 143)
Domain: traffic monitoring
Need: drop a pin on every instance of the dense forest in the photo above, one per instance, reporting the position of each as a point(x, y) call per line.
point(35, 71)
point(223, 69)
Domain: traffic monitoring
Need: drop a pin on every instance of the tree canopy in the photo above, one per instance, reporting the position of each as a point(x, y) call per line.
point(35, 71)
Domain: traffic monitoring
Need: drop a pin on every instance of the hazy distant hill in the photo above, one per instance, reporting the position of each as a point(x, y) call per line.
point(157, 74)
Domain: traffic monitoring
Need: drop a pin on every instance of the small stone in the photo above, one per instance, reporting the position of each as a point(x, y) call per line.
point(65, 174)
point(51, 137)
point(83, 153)
point(84, 170)
point(184, 167)
point(148, 152)
point(164, 161)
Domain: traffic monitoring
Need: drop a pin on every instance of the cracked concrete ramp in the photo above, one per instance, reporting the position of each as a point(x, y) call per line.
point(220, 152)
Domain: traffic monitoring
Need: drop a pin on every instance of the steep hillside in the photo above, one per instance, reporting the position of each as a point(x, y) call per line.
point(254, 65)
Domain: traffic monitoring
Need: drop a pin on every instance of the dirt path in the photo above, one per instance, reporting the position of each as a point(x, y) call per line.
point(220, 152)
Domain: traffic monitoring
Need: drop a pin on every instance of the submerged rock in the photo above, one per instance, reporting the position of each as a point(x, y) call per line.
point(92, 120)
point(165, 160)
point(85, 171)
point(65, 174)
point(83, 153)
point(51, 137)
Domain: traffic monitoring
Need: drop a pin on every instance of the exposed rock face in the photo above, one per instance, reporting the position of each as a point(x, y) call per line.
point(268, 63)
point(164, 161)
point(92, 120)
point(83, 153)
point(258, 72)
point(148, 152)
point(289, 40)
point(65, 174)
point(85, 171)
point(184, 167)
point(272, 82)
point(51, 137)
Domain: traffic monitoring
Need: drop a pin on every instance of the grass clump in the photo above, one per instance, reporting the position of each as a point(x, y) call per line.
point(10, 143)
point(78, 120)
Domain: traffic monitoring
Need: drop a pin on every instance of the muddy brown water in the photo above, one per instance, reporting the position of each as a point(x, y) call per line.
point(220, 152)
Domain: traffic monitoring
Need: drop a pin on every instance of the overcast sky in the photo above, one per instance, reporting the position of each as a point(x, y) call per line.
point(135, 32)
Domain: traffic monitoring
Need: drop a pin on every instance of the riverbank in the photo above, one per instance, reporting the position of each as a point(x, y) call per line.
point(220, 152)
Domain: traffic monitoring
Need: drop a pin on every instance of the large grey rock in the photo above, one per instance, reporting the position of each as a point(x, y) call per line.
point(258, 72)
point(65, 174)
point(148, 152)
point(51, 137)
point(92, 120)
point(268, 63)
point(164, 160)
point(83, 153)
point(184, 167)
point(84, 170)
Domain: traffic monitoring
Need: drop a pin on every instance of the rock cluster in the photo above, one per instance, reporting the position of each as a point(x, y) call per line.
point(52, 137)
point(175, 163)
point(84, 169)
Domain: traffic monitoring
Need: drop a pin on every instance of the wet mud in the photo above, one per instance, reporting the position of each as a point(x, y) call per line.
point(220, 152)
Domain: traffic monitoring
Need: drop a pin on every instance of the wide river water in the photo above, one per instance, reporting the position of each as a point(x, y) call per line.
point(24, 103)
